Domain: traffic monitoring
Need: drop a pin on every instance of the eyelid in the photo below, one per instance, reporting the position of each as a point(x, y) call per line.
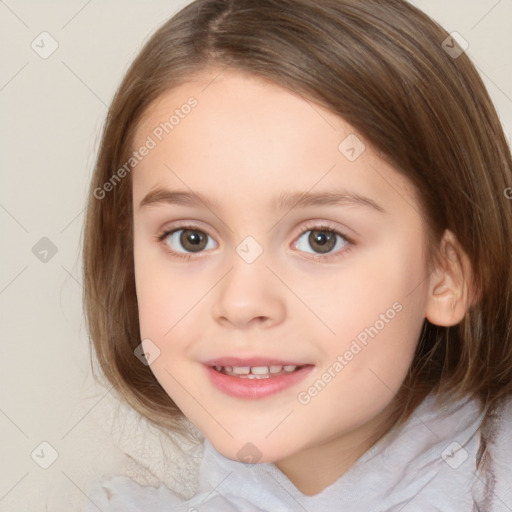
point(184, 224)
point(322, 225)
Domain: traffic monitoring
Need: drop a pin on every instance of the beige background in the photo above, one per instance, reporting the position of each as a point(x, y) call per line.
point(52, 111)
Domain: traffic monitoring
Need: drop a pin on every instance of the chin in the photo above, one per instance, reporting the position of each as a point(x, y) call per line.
point(250, 451)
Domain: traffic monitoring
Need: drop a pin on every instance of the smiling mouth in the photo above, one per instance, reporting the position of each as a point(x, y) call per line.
point(257, 372)
point(255, 378)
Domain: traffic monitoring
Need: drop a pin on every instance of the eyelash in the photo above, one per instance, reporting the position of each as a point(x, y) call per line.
point(313, 227)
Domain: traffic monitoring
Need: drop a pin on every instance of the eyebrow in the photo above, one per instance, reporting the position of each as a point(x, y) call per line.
point(285, 201)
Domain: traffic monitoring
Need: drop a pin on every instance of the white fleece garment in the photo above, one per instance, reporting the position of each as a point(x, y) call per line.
point(427, 465)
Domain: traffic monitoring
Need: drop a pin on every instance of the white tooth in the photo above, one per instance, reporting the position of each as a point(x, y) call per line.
point(275, 368)
point(241, 370)
point(259, 370)
point(289, 368)
point(228, 369)
point(218, 368)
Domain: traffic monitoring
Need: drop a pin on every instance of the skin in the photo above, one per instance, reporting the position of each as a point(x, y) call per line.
point(246, 142)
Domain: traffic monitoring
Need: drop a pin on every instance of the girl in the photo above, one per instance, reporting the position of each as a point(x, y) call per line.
point(298, 240)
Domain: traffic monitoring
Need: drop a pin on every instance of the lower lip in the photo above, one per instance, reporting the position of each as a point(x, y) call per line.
point(255, 388)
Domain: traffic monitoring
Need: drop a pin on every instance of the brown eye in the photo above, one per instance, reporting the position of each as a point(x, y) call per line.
point(321, 241)
point(187, 240)
point(193, 240)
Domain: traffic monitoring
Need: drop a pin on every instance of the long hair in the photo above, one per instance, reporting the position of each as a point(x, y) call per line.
point(383, 66)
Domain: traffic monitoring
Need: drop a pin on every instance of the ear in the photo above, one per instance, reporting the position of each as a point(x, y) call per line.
point(449, 286)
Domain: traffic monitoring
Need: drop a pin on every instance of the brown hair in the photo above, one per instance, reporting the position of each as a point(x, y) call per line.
point(381, 66)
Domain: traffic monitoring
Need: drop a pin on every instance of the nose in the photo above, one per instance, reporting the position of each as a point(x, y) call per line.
point(249, 295)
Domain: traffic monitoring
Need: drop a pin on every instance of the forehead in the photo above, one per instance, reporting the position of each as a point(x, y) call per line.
point(230, 132)
point(231, 103)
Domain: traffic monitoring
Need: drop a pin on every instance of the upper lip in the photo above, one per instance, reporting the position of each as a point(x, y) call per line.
point(251, 361)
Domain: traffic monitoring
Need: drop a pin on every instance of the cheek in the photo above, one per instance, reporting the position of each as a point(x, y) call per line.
point(353, 297)
point(161, 294)
point(364, 380)
point(376, 312)
point(162, 304)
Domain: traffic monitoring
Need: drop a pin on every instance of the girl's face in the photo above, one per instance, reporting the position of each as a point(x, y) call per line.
point(289, 243)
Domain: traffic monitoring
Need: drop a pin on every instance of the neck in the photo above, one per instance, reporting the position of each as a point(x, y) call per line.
point(315, 468)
